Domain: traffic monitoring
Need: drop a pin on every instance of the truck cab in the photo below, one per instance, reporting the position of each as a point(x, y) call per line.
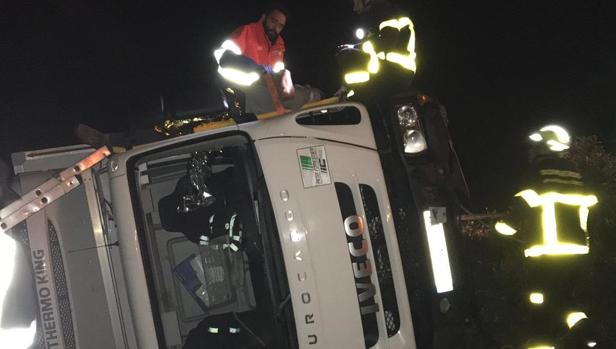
point(320, 264)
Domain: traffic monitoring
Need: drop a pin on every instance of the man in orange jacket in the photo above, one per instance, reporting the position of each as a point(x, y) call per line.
point(261, 40)
point(252, 59)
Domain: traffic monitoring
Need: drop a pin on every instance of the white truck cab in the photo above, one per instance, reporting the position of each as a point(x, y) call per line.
point(319, 264)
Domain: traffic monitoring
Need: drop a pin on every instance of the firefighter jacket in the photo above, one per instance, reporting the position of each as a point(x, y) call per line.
point(551, 211)
point(225, 216)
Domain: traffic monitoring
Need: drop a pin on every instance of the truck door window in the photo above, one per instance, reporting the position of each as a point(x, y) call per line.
point(330, 117)
point(205, 247)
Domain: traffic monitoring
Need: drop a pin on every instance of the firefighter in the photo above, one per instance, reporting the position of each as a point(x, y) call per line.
point(251, 59)
point(205, 205)
point(549, 216)
point(216, 331)
point(386, 47)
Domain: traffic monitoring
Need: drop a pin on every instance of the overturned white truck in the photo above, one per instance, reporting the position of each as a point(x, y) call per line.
point(328, 227)
point(346, 241)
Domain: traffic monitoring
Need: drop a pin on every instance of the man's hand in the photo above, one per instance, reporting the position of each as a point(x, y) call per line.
point(286, 87)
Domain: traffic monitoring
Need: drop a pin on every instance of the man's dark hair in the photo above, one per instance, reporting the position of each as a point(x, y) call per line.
point(278, 6)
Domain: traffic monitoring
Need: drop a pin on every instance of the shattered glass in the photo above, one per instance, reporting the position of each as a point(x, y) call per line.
point(199, 170)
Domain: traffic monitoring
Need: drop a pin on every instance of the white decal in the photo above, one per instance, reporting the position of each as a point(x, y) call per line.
point(46, 299)
point(313, 166)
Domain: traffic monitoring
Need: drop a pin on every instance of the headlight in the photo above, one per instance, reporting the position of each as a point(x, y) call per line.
point(407, 116)
point(410, 128)
point(414, 142)
point(360, 33)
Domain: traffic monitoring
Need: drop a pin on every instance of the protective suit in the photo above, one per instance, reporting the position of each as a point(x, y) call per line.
point(210, 209)
point(549, 217)
point(206, 205)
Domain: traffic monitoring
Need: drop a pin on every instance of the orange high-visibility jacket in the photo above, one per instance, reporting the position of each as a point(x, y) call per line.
point(254, 43)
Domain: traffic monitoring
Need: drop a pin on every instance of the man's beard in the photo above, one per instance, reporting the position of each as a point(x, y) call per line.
point(271, 35)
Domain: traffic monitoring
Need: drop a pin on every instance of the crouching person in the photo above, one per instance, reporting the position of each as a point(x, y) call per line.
point(251, 60)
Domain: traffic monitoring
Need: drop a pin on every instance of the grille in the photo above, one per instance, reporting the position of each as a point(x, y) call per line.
point(383, 268)
point(64, 305)
point(369, 320)
point(381, 255)
point(391, 322)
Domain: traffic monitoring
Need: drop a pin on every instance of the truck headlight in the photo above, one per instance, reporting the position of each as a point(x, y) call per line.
point(407, 116)
point(412, 137)
point(414, 142)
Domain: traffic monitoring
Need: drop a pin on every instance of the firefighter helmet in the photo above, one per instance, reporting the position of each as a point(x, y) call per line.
point(553, 137)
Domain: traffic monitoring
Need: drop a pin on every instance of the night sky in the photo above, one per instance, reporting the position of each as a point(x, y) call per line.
point(500, 68)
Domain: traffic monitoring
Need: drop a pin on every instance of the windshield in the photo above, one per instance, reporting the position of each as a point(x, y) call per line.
point(214, 259)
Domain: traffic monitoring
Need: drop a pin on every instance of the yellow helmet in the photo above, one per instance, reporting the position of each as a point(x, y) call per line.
point(554, 137)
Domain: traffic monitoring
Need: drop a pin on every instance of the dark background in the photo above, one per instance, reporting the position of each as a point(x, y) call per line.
point(500, 67)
